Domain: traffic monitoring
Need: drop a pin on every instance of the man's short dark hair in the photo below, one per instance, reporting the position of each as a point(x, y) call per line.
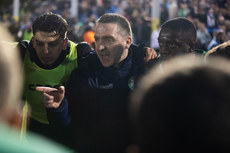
point(181, 24)
point(49, 22)
point(122, 22)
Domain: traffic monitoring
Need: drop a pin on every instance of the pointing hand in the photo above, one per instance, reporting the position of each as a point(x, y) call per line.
point(52, 97)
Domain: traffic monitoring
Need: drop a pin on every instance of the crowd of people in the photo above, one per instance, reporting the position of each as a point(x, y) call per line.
point(115, 94)
point(137, 12)
point(209, 16)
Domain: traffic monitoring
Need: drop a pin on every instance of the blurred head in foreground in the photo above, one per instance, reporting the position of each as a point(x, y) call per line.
point(183, 108)
point(10, 78)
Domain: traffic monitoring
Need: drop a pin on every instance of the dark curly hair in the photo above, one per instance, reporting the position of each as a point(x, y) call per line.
point(49, 22)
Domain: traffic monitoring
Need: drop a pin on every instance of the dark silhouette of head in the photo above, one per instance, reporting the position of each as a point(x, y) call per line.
point(184, 108)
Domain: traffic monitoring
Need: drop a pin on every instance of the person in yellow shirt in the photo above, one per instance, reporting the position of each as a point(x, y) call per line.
point(48, 58)
point(11, 81)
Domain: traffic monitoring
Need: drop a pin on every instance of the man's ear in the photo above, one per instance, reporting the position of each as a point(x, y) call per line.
point(65, 44)
point(191, 47)
point(33, 41)
point(128, 42)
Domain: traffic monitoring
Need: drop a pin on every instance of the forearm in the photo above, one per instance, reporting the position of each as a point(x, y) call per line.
point(59, 116)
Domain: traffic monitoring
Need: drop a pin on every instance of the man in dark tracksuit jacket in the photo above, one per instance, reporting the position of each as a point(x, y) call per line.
point(96, 101)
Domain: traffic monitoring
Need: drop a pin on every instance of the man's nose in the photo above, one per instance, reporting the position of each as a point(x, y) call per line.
point(46, 49)
point(101, 47)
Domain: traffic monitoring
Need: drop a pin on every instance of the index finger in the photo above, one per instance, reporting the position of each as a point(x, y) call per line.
point(45, 89)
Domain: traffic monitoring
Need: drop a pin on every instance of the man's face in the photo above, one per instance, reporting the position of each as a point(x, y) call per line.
point(172, 43)
point(111, 46)
point(48, 46)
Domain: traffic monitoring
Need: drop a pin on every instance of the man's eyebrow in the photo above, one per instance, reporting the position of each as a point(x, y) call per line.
point(55, 41)
point(38, 41)
point(107, 37)
point(171, 40)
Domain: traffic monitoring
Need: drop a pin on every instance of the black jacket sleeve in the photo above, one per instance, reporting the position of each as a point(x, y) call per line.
point(59, 116)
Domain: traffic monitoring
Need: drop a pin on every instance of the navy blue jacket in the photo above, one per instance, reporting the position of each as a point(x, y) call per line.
point(97, 98)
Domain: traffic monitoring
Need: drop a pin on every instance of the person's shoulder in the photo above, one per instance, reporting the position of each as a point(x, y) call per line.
point(87, 60)
point(34, 141)
point(11, 137)
point(22, 47)
point(83, 49)
point(138, 52)
point(86, 53)
point(24, 43)
point(91, 60)
point(87, 67)
point(83, 45)
point(135, 46)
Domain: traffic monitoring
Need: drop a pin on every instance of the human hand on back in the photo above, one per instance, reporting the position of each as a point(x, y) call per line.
point(150, 54)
